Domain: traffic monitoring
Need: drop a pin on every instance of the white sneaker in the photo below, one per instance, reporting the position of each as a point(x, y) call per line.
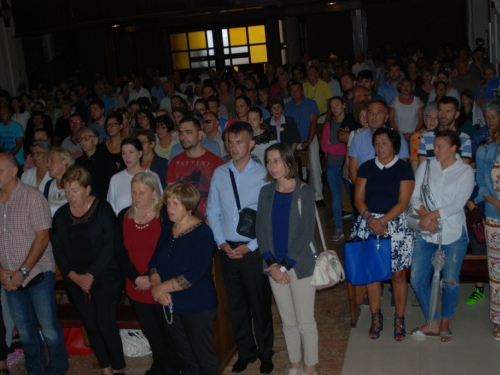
point(295, 371)
point(337, 235)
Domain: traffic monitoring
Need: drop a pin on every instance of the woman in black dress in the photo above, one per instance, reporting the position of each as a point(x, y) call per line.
point(82, 239)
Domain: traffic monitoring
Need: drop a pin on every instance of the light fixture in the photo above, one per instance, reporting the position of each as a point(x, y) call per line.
point(331, 3)
point(115, 26)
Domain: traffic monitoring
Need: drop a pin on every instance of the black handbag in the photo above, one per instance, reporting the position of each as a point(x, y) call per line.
point(247, 216)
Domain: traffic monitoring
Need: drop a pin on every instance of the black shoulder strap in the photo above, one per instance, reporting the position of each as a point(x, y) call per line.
point(236, 196)
point(46, 189)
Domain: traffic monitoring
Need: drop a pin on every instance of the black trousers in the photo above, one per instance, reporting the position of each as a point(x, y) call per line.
point(249, 297)
point(155, 328)
point(99, 319)
point(193, 336)
point(4, 349)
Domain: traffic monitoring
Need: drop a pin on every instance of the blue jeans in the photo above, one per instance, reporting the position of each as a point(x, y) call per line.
point(334, 177)
point(28, 305)
point(422, 270)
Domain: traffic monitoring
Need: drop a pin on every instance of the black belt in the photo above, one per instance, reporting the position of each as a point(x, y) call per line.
point(234, 245)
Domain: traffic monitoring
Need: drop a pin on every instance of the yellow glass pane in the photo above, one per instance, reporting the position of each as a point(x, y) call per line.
point(257, 34)
point(178, 42)
point(197, 40)
point(258, 54)
point(180, 60)
point(238, 36)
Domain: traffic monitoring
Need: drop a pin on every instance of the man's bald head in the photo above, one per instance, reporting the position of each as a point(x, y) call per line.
point(9, 159)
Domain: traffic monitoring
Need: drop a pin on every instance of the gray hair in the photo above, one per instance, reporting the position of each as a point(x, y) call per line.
point(94, 132)
point(43, 144)
point(492, 106)
point(430, 107)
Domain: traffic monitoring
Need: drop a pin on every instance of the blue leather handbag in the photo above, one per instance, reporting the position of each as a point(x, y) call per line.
point(367, 260)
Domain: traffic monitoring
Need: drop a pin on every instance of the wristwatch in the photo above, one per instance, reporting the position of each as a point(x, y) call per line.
point(283, 269)
point(24, 272)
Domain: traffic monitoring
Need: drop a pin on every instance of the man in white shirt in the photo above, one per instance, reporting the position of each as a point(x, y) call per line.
point(138, 91)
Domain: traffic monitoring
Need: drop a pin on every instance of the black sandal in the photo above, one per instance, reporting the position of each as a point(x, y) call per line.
point(377, 325)
point(399, 327)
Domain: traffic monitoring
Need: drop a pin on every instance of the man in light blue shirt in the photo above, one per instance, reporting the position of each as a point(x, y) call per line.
point(248, 289)
point(362, 149)
point(389, 90)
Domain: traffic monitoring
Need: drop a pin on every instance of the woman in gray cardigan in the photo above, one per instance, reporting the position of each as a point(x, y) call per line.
point(285, 233)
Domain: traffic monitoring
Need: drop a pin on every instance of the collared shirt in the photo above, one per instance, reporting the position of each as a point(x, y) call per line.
point(134, 95)
point(451, 188)
point(363, 150)
point(301, 113)
point(486, 158)
point(158, 93)
point(320, 93)
point(25, 213)
point(388, 92)
point(427, 144)
point(222, 212)
point(70, 145)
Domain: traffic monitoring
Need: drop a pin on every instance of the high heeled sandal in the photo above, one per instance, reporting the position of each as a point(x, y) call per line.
point(399, 327)
point(377, 325)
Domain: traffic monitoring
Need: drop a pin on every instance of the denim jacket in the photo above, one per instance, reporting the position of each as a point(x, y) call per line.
point(485, 160)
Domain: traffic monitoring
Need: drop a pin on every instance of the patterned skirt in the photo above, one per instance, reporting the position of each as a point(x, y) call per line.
point(492, 231)
point(402, 239)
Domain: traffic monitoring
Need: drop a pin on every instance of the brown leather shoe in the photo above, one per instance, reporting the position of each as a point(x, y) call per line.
point(496, 332)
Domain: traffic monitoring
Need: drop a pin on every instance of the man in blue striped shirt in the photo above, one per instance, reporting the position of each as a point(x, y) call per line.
point(448, 112)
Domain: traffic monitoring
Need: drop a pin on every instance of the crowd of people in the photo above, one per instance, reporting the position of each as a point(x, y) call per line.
point(131, 187)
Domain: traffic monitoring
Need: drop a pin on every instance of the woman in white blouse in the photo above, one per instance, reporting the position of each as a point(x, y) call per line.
point(451, 182)
point(119, 193)
point(406, 110)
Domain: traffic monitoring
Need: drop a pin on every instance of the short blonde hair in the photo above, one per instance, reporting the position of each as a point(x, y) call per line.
point(63, 154)
point(150, 180)
point(185, 193)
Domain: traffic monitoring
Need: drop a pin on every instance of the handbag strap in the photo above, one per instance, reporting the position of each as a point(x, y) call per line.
point(318, 221)
point(236, 196)
point(426, 176)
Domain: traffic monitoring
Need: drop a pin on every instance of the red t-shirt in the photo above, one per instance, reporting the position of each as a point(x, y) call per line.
point(197, 171)
point(141, 244)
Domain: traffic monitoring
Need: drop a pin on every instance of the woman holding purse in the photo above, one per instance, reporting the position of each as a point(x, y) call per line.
point(488, 165)
point(383, 189)
point(451, 182)
point(285, 233)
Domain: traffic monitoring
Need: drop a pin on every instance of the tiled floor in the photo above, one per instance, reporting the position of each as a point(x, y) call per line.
point(472, 351)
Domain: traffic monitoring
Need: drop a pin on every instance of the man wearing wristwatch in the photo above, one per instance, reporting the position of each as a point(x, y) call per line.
point(27, 270)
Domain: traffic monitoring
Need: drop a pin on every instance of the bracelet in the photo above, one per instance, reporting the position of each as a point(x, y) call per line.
point(173, 285)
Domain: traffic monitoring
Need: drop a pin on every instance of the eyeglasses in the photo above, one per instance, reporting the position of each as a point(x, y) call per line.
point(208, 121)
point(144, 142)
point(112, 124)
point(76, 122)
point(86, 138)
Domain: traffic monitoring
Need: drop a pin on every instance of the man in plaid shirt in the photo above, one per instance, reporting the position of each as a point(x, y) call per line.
point(27, 270)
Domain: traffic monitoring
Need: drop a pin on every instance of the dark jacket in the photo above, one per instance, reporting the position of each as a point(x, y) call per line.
point(301, 227)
